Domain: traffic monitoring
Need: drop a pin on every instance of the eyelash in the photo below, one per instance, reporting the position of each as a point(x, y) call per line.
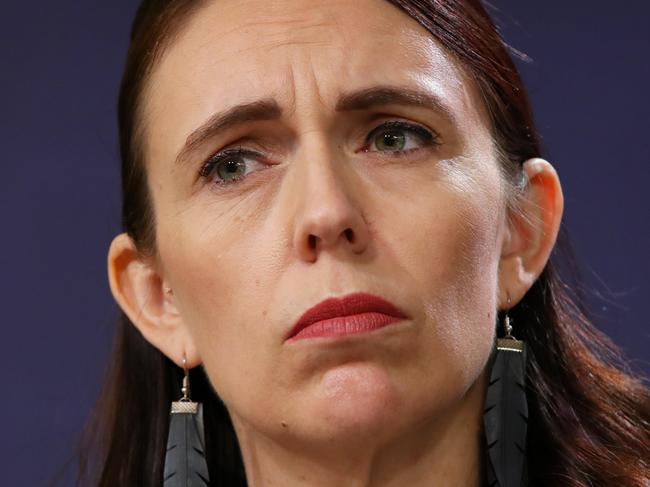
point(427, 137)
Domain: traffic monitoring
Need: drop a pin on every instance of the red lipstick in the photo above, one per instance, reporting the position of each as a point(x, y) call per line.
point(350, 314)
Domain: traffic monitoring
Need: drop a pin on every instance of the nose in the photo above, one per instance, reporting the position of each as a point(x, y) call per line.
point(328, 216)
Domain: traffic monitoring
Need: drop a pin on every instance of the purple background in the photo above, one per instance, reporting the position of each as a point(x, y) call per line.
point(59, 194)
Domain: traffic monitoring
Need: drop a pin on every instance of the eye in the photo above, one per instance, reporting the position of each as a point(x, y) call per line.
point(229, 166)
point(398, 137)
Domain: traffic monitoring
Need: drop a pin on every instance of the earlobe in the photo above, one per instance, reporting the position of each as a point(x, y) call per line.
point(138, 288)
point(531, 233)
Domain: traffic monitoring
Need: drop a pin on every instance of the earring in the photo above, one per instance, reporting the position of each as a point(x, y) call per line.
point(505, 416)
point(185, 462)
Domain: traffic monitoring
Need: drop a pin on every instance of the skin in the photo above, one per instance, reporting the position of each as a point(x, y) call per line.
point(323, 213)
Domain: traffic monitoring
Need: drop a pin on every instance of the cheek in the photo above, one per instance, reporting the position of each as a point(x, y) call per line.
point(451, 270)
point(459, 282)
point(224, 285)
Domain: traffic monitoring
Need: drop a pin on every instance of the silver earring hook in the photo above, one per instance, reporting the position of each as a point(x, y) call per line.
point(506, 323)
point(186, 383)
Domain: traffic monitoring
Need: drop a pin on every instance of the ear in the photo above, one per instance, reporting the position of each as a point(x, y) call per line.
point(139, 289)
point(531, 234)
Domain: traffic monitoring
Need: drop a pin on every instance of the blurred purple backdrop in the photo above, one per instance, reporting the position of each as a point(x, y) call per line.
point(60, 195)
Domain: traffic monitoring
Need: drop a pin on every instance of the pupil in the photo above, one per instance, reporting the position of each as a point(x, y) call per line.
point(230, 168)
point(391, 140)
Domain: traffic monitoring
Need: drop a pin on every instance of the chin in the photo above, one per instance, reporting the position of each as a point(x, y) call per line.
point(356, 400)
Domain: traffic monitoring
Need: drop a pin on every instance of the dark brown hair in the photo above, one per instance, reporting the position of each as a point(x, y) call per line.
point(589, 416)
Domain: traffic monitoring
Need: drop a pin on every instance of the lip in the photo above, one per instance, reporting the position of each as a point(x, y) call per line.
point(350, 314)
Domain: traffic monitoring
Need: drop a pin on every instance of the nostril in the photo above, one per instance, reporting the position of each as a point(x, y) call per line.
point(312, 240)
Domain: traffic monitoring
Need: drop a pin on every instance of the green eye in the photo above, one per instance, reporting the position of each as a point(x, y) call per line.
point(231, 169)
point(396, 137)
point(390, 140)
point(230, 166)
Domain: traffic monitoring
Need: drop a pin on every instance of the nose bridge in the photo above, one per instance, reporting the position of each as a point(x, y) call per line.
point(326, 212)
point(320, 172)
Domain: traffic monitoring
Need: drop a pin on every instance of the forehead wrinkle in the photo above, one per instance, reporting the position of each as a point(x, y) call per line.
point(275, 13)
point(268, 19)
point(281, 43)
point(281, 38)
point(301, 23)
point(280, 30)
point(310, 34)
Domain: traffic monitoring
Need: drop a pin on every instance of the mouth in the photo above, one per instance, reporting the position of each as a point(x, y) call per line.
point(351, 314)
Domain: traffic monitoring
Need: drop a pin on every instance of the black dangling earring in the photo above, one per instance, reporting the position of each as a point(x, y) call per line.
point(185, 463)
point(505, 417)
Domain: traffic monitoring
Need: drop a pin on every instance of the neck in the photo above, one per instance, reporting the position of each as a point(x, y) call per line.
point(444, 451)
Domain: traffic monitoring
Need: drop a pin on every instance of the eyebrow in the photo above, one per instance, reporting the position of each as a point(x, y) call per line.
point(269, 109)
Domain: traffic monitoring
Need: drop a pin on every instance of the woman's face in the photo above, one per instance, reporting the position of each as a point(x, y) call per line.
point(325, 206)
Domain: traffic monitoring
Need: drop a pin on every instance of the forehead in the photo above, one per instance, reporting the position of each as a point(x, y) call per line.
point(303, 53)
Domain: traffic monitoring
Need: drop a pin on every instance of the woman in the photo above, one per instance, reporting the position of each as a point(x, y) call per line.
point(287, 164)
